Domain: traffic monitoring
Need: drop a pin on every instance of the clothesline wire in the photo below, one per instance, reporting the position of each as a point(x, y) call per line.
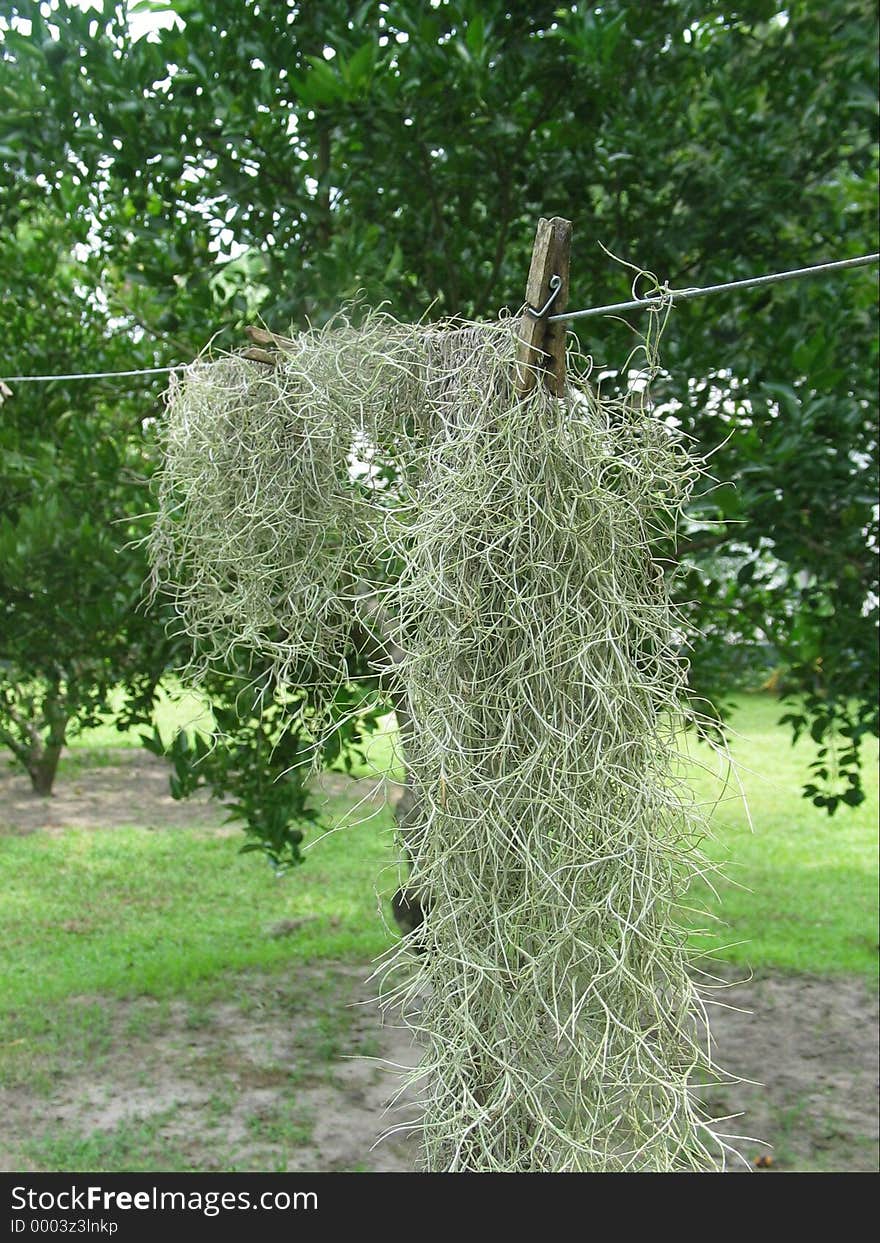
point(683, 295)
point(657, 300)
point(91, 375)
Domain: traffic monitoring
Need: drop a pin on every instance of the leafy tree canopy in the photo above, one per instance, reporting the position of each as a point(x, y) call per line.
point(274, 159)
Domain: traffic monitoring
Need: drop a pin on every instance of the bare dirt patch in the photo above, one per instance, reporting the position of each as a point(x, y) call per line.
point(98, 795)
point(809, 1045)
point(101, 797)
point(291, 1074)
point(278, 1075)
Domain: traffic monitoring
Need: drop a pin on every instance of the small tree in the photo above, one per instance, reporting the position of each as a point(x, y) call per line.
point(258, 755)
point(74, 464)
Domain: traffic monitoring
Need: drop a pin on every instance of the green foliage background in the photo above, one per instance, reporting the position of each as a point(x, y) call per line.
point(275, 159)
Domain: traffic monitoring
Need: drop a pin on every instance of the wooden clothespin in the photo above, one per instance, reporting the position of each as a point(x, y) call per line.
point(262, 337)
point(541, 354)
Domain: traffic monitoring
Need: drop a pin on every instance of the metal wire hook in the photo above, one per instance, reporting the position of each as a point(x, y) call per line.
point(555, 286)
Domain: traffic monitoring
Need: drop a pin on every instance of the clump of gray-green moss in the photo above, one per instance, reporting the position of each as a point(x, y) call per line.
point(508, 545)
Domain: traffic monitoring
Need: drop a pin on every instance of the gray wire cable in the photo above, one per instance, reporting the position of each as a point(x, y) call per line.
point(674, 295)
point(89, 375)
point(683, 295)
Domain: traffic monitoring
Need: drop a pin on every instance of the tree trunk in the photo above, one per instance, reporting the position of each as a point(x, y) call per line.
point(43, 754)
point(42, 766)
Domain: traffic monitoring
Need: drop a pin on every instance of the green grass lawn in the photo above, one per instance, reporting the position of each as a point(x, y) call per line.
point(167, 914)
point(800, 887)
point(134, 911)
point(139, 911)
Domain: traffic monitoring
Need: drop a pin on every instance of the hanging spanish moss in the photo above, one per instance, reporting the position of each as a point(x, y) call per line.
point(504, 554)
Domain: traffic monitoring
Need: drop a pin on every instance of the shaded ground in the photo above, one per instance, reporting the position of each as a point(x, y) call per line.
point(284, 1072)
point(94, 791)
